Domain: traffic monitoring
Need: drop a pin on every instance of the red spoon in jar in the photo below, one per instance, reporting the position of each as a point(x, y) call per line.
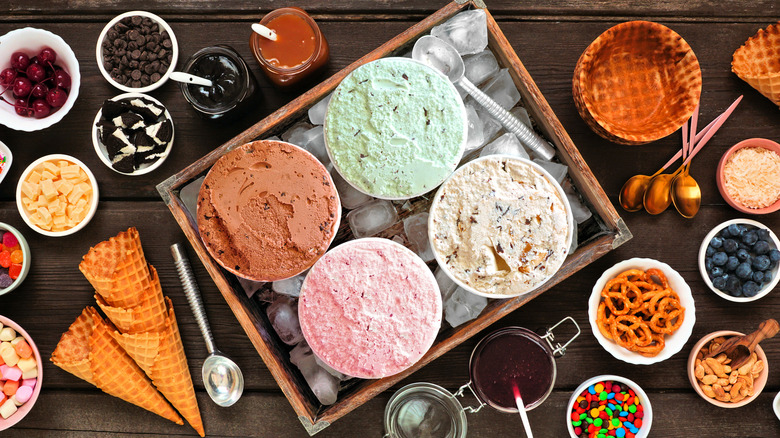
point(521, 410)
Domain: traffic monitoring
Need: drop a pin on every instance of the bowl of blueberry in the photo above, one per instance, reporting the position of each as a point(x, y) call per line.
point(739, 260)
point(39, 76)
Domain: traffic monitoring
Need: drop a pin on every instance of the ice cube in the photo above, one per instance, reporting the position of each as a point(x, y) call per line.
point(522, 115)
point(283, 315)
point(463, 306)
point(490, 126)
point(313, 141)
point(324, 386)
point(502, 89)
point(350, 197)
point(290, 286)
point(189, 195)
point(398, 239)
point(273, 138)
point(342, 377)
point(476, 137)
point(507, 144)
point(556, 170)
point(580, 212)
point(249, 286)
point(481, 66)
point(416, 229)
point(317, 111)
point(446, 285)
point(294, 132)
point(372, 217)
point(466, 31)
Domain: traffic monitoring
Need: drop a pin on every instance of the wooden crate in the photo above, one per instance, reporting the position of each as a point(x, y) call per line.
point(599, 235)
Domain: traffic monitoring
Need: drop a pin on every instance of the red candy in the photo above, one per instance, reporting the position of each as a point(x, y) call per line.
point(14, 271)
point(5, 258)
point(9, 240)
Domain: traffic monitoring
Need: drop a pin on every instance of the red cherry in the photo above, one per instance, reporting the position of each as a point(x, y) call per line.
point(40, 108)
point(62, 78)
point(56, 97)
point(7, 77)
point(20, 61)
point(36, 72)
point(39, 90)
point(35, 60)
point(22, 109)
point(22, 87)
point(47, 56)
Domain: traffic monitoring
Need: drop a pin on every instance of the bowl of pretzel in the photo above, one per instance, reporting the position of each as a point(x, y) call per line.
point(641, 311)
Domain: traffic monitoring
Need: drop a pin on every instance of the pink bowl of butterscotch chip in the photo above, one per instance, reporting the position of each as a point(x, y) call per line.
point(748, 176)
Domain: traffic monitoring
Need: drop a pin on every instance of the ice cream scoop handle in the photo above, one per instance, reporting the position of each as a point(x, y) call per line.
point(510, 122)
point(192, 293)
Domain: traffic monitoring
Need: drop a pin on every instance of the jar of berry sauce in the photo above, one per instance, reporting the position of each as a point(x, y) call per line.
point(299, 50)
point(508, 357)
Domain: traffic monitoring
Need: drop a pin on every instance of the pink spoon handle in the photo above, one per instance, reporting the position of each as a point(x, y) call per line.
point(698, 136)
point(717, 124)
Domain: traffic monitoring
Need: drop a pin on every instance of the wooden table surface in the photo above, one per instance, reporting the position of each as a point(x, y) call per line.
point(548, 36)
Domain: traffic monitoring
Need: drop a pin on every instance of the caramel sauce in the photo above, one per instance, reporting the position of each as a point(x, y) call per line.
point(294, 45)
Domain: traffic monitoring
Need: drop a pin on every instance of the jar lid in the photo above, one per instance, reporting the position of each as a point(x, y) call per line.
point(424, 409)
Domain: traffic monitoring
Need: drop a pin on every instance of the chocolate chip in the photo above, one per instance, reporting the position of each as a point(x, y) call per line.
point(135, 84)
point(132, 45)
point(136, 75)
point(152, 56)
point(167, 43)
point(148, 69)
point(155, 77)
point(145, 80)
point(162, 53)
point(144, 56)
point(133, 64)
point(132, 34)
point(111, 35)
point(136, 20)
point(141, 40)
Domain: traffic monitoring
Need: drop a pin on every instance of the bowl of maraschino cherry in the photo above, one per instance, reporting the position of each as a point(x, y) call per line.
point(39, 79)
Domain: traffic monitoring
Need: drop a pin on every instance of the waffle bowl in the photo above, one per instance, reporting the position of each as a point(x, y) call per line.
point(637, 82)
point(757, 62)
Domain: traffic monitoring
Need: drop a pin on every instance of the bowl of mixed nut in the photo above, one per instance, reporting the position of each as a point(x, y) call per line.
point(716, 381)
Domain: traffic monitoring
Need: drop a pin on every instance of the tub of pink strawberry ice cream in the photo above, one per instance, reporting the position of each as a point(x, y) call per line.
point(370, 308)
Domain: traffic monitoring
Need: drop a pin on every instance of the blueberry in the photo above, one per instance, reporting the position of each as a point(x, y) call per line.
point(716, 242)
point(720, 258)
point(717, 271)
point(734, 286)
point(774, 256)
point(750, 289)
point(720, 282)
point(725, 233)
point(710, 251)
point(758, 276)
point(743, 245)
point(763, 234)
point(743, 255)
point(767, 276)
point(736, 230)
point(732, 263)
point(730, 246)
point(761, 263)
point(761, 247)
point(743, 271)
point(750, 238)
point(708, 264)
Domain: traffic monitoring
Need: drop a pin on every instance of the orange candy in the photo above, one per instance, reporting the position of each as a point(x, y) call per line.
point(10, 387)
point(17, 256)
point(14, 271)
point(23, 349)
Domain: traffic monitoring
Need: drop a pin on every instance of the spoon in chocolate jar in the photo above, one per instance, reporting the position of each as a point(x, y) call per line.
point(186, 78)
point(436, 53)
point(739, 348)
point(221, 376)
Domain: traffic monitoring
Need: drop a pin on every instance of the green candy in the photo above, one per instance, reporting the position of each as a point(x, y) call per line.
point(609, 411)
point(598, 422)
point(615, 422)
point(632, 408)
point(603, 396)
point(576, 423)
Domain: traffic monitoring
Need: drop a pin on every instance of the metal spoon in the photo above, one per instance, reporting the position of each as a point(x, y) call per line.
point(221, 376)
point(440, 55)
point(685, 191)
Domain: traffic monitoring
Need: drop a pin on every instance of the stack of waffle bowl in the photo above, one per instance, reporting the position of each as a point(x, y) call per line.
point(637, 82)
point(757, 62)
point(143, 331)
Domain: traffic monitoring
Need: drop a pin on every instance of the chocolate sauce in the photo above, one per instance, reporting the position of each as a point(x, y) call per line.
point(225, 75)
point(507, 358)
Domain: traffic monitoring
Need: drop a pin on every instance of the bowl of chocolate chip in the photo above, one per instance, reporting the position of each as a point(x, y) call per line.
point(132, 134)
point(137, 51)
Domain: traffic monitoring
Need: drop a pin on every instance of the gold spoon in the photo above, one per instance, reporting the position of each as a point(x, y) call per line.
point(658, 195)
point(633, 191)
point(685, 191)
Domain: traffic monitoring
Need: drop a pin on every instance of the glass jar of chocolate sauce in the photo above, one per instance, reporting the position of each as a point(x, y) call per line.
point(234, 85)
point(506, 357)
point(300, 49)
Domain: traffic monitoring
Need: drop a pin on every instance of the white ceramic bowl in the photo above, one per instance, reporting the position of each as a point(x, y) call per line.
point(6, 159)
point(92, 206)
point(703, 271)
point(174, 48)
point(100, 148)
point(25, 254)
point(31, 40)
point(24, 409)
point(647, 420)
point(456, 160)
point(776, 405)
point(432, 228)
point(673, 343)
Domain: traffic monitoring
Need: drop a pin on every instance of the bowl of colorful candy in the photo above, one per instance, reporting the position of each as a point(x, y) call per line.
point(14, 258)
point(606, 403)
point(40, 75)
point(739, 260)
point(6, 158)
point(20, 374)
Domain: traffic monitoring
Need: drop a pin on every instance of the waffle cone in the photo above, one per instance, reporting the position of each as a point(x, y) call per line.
point(637, 82)
point(161, 356)
point(110, 368)
point(148, 315)
point(117, 269)
point(757, 62)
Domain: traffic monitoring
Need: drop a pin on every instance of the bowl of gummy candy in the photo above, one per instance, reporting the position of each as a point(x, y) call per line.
point(14, 258)
point(20, 374)
point(609, 405)
point(39, 76)
point(739, 260)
